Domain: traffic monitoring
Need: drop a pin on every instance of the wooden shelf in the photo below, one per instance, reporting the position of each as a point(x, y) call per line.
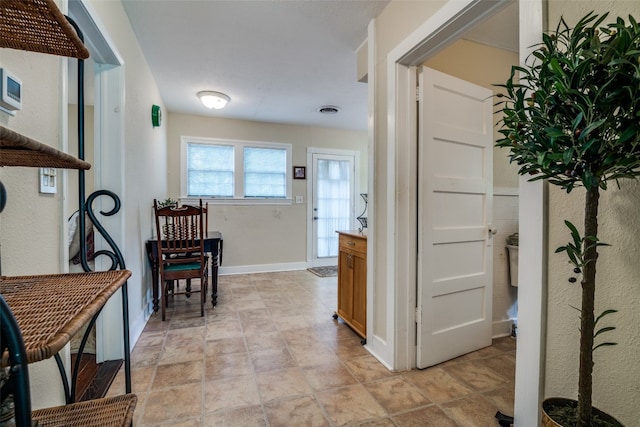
point(38, 26)
point(20, 150)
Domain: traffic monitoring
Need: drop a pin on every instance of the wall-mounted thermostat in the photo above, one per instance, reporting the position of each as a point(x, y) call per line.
point(10, 92)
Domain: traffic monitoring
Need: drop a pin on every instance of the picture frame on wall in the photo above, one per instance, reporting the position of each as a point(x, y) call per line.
point(299, 172)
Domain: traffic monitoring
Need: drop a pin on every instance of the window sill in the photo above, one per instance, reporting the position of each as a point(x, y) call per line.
point(231, 201)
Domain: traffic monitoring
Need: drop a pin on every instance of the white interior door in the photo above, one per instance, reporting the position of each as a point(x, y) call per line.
point(454, 210)
point(332, 203)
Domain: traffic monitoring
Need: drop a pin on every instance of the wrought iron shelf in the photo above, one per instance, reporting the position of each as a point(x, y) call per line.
point(19, 150)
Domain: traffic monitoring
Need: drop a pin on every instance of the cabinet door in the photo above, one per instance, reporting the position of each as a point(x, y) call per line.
point(359, 317)
point(345, 288)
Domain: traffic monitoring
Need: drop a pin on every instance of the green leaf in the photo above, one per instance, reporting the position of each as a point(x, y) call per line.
point(603, 330)
point(604, 313)
point(604, 344)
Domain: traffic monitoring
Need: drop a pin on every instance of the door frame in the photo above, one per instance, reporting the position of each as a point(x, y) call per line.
point(108, 161)
point(444, 27)
point(311, 262)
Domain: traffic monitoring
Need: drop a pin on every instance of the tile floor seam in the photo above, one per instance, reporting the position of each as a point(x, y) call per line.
point(270, 294)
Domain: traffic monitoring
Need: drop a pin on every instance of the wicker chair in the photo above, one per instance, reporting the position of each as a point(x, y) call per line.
point(180, 241)
point(16, 402)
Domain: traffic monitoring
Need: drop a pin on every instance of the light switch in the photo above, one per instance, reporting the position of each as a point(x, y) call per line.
point(299, 199)
point(48, 180)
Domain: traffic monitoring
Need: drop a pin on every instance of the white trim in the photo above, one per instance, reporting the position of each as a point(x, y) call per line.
point(532, 275)
point(532, 201)
point(238, 172)
point(97, 39)
point(371, 161)
point(355, 155)
point(502, 328)
point(236, 202)
point(506, 191)
point(109, 126)
point(262, 268)
point(109, 158)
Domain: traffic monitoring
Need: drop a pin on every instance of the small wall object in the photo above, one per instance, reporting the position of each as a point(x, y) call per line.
point(156, 115)
point(299, 172)
point(48, 180)
point(363, 216)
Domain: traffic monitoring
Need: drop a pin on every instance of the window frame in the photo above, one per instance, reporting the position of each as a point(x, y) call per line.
point(238, 171)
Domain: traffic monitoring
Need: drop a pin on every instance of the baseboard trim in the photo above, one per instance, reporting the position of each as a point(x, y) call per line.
point(262, 268)
point(502, 328)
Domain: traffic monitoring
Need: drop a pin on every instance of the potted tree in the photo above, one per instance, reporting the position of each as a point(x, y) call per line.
point(571, 116)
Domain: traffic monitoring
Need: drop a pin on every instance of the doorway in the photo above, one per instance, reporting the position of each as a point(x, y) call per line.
point(332, 202)
point(396, 346)
point(103, 140)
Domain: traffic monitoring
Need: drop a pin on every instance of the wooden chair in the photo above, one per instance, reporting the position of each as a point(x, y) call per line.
point(112, 411)
point(180, 232)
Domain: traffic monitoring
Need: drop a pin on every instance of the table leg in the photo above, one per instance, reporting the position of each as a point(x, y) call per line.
point(154, 285)
point(214, 280)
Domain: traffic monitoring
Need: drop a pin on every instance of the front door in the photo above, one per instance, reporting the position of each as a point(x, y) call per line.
point(454, 209)
point(332, 202)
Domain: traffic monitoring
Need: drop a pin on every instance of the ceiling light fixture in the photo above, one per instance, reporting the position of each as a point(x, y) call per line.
point(328, 109)
point(213, 100)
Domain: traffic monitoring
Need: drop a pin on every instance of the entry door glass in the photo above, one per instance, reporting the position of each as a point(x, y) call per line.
point(333, 201)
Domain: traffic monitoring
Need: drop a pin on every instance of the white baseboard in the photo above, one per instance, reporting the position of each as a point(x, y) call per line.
point(262, 268)
point(502, 328)
point(136, 326)
point(506, 191)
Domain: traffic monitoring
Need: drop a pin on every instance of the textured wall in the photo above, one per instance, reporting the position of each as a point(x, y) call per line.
point(617, 369)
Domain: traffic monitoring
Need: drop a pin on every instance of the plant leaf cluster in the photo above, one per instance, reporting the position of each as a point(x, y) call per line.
point(575, 251)
point(572, 115)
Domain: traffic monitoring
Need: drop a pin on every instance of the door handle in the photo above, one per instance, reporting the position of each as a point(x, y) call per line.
point(492, 230)
point(315, 218)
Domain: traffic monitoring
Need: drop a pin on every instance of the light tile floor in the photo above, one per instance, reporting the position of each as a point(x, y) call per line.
point(270, 354)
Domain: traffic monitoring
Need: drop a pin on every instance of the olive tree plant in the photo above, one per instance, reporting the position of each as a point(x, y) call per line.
point(571, 115)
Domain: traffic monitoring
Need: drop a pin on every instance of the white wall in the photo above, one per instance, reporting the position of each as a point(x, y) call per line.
point(144, 157)
point(261, 237)
point(617, 369)
point(30, 232)
point(32, 220)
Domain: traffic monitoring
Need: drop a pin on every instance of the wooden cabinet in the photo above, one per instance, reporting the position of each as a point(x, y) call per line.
point(352, 280)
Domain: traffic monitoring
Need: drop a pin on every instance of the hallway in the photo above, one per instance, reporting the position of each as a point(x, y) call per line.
point(270, 354)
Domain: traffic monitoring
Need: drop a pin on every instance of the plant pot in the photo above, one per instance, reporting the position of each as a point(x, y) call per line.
point(554, 402)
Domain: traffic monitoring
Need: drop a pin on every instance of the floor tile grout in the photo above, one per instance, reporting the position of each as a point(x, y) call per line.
point(327, 368)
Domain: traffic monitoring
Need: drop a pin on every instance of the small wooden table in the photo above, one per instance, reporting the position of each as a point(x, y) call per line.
point(212, 246)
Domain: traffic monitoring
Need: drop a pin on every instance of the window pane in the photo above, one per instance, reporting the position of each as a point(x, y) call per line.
point(334, 201)
point(265, 172)
point(210, 170)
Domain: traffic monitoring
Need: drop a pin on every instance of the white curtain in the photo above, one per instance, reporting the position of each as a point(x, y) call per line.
point(333, 203)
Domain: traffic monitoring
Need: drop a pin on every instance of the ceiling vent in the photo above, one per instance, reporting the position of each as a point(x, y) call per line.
point(329, 109)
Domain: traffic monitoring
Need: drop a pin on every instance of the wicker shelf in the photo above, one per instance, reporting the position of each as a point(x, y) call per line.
point(51, 309)
point(38, 26)
point(20, 150)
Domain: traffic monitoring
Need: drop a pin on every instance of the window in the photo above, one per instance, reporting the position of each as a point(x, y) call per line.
point(235, 170)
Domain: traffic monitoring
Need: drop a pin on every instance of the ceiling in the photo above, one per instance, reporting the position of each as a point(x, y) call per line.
point(279, 61)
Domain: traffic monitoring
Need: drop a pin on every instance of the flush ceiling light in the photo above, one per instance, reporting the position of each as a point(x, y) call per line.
point(214, 100)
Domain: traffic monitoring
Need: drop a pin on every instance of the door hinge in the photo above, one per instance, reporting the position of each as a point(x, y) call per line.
point(417, 93)
point(417, 316)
